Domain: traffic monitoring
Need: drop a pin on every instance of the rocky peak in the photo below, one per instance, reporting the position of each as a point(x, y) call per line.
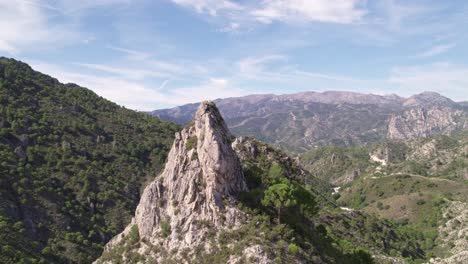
point(428, 99)
point(219, 163)
point(198, 185)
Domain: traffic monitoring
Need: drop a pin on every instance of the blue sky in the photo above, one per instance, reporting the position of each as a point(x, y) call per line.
point(149, 54)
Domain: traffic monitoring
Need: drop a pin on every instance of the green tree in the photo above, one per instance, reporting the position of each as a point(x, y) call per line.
point(305, 200)
point(280, 196)
point(275, 172)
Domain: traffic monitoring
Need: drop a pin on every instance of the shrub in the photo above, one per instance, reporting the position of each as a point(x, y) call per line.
point(191, 143)
point(293, 248)
point(134, 235)
point(380, 205)
point(165, 228)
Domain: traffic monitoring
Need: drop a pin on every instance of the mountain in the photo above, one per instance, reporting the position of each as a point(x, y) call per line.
point(463, 103)
point(299, 122)
point(210, 205)
point(71, 167)
point(196, 190)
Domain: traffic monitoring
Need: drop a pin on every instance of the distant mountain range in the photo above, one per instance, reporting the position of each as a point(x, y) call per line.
point(299, 122)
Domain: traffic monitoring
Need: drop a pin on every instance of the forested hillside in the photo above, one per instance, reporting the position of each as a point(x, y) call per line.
point(72, 165)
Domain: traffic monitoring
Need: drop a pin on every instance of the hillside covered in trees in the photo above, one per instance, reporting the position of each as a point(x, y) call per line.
point(71, 167)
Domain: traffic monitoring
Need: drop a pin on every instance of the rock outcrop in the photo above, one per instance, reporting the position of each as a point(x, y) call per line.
point(196, 190)
point(422, 122)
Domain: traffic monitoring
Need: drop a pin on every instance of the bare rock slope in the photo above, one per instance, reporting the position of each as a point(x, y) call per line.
point(196, 189)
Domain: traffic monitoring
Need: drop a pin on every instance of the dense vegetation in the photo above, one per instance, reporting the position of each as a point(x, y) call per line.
point(71, 167)
point(414, 202)
point(336, 164)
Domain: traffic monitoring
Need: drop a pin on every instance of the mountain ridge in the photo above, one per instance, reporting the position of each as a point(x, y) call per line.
point(299, 122)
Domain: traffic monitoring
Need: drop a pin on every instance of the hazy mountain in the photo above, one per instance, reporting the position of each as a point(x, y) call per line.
point(299, 122)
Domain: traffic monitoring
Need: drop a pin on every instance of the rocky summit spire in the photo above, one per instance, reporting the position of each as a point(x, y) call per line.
point(198, 185)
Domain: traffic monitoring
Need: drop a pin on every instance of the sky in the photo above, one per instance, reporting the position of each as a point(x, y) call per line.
point(152, 54)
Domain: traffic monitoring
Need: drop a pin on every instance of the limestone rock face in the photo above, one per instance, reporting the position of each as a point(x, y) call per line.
point(197, 188)
point(422, 122)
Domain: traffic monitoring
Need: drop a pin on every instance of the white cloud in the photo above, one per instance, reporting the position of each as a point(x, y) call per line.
point(76, 8)
point(131, 94)
point(127, 73)
point(232, 27)
point(23, 23)
point(212, 7)
point(146, 59)
point(289, 11)
point(139, 95)
point(163, 84)
point(436, 50)
point(40, 24)
point(331, 11)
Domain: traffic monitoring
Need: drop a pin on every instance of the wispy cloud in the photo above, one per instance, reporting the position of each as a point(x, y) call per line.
point(127, 73)
point(213, 88)
point(163, 84)
point(148, 60)
point(255, 67)
point(132, 54)
point(77, 8)
point(24, 24)
point(391, 21)
point(231, 27)
point(285, 11)
point(436, 50)
point(136, 93)
point(35, 24)
point(329, 11)
point(131, 94)
point(274, 46)
point(212, 7)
